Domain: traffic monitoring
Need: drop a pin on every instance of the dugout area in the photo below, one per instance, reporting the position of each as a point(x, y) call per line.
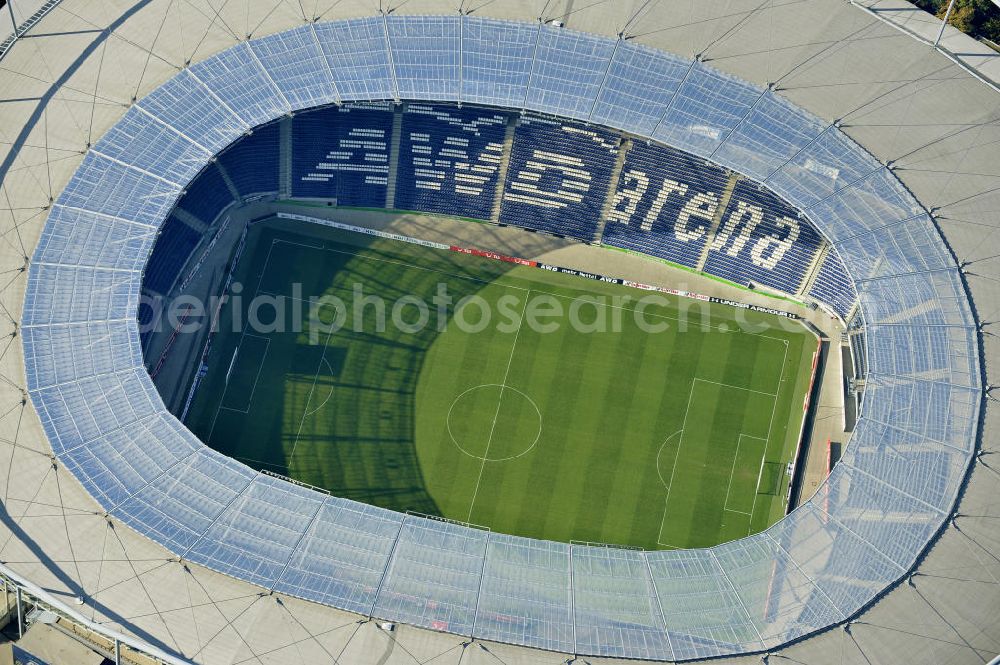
point(675, 438)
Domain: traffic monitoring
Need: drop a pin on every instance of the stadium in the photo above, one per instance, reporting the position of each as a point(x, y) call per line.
point(783, 451)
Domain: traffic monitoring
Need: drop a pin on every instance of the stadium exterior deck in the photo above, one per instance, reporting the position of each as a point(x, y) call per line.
point(944, 125)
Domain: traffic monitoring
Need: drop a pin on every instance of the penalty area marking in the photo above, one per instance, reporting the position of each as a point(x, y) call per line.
point(673, 470)
point(239, 342)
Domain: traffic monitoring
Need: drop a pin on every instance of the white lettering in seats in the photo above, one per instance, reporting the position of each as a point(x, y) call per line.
point(769, 250)
point(701, 206)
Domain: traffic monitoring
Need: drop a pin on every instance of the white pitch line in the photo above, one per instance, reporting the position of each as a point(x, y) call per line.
point(729, 385)
point(732, 472)
point(256, 380)
point(770, 425)
point(665, 441)
point(503, 386)
point(677, 455)
point(402, 263)
point(319, 365)
point(723, 327)
point(243, 333)
point(326, 344)
point(329, 394)
point(282, 241)
point(260, 367)
point(312, 389)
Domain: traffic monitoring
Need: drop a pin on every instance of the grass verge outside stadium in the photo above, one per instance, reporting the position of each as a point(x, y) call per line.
point(575, 412)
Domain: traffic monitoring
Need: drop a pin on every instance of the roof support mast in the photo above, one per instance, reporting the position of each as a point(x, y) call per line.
point(461, 54)
point(947, 16)
point(13, 21)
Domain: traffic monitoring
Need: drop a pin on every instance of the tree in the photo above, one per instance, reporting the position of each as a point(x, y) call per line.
point(973, 17)
point(991, 30)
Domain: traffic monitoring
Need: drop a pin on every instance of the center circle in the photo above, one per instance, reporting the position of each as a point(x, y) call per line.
point(494, 422)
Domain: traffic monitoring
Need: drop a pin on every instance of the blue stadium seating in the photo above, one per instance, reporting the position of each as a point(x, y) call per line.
point(449, 160)
point(342, 154)
point(557, 182)
point(762, 239)
point(207, 195)
point(173, 247)
point(833, 286)
point(658, 200)
point(558, 177)
point(253, 162)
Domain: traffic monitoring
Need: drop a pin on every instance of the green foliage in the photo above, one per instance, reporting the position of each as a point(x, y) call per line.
point(991, 29)
point(979, 18)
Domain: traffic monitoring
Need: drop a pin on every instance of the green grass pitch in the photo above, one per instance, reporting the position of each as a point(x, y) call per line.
point(673, 437)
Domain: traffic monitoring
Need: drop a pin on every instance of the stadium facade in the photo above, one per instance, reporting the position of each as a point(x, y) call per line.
point(838, 558)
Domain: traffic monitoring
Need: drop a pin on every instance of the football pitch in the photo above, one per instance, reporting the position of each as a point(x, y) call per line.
point(537, 403)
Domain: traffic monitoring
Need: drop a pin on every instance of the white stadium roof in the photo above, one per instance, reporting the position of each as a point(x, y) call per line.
point(76, 74)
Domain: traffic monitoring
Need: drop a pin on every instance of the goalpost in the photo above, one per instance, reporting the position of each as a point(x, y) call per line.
point(760, 472)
